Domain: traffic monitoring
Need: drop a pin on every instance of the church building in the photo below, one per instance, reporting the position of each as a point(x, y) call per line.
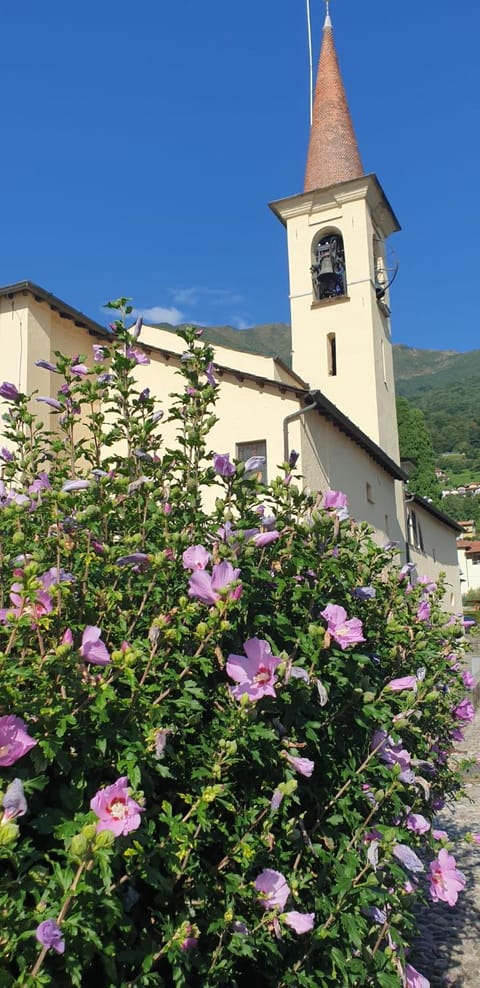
point(336, 403)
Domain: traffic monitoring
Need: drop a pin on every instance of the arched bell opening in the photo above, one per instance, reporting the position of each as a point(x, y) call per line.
point(329, 278)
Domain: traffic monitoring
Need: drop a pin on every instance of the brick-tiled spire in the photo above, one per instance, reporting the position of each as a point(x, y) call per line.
point(333, 154)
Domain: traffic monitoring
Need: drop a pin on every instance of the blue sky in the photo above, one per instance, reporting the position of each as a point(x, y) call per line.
point(141, 143)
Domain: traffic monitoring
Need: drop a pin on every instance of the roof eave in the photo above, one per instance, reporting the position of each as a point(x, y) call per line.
point(64, 310)
point(440, 515)
point(331, 412)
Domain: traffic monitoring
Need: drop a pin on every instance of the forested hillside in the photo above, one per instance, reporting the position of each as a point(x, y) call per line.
point(446, 387)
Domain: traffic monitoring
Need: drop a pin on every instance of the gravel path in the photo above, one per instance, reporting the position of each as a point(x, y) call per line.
point(448, 948)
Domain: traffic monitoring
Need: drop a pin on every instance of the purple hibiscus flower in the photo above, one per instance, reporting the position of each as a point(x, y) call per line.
point(388, 751)
point(137, 355)
point(47, 365)
point(92, 648)
point(261, 539)
point(14, 803)
point(344, 631)
point(464, 710)
point(413, 978)
point(407, 857)
point(254, 672)
point(52, 402)
point(49, 935)
point(222, 465)
point(299, 922)
point(209, 374)
point(195, 557)
point(423, 611)
point(9, 392)
point(417, 823)
point(208, 587)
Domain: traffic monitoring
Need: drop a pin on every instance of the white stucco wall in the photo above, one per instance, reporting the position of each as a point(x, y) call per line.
point(469, 570)
point(439, 555)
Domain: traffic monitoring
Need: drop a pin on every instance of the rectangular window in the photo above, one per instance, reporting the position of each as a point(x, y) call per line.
point(369, 492)
point(332, 355)
point(258, 448)
point(415, 536)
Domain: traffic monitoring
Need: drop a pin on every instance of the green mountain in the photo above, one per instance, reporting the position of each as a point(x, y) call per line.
point(443, 384)
point(271, 340)
point(418, 371)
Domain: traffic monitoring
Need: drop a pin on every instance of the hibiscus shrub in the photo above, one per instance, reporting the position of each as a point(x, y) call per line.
point(223, 733)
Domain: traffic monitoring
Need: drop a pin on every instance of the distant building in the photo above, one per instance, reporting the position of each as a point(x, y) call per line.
point(469, 529)
point(469, 560)
point(337, 404)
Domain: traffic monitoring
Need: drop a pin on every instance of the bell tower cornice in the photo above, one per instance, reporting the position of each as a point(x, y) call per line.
point(321, 200)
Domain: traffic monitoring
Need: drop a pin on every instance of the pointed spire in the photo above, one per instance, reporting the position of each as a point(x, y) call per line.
point(333, 154)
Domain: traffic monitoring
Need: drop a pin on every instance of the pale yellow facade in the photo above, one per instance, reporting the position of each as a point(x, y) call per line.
point(260, 401)
point(362, 383)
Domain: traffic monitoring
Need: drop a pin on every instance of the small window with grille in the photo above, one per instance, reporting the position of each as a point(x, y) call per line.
point(244, 452)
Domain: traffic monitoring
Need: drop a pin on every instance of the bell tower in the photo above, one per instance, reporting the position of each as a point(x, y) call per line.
point(336, 234)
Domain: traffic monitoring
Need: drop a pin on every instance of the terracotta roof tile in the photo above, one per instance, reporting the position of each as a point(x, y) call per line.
point(333, 154)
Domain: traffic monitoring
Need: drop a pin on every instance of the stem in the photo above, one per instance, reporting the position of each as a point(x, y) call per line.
point(88, 863)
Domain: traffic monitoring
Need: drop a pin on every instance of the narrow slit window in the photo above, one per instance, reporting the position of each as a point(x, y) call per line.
point(332, 354)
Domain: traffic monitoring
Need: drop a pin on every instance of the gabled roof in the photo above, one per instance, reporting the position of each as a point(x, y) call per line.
point(326, 408)
point(428, 506)
point(333, 154)
point(64, 310)
point(330, 411)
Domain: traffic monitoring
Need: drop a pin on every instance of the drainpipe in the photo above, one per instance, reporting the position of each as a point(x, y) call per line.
point(286, 423)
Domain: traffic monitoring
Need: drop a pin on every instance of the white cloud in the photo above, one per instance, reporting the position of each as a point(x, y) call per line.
point(239, 323)
point(215, 296)
point(160, 313)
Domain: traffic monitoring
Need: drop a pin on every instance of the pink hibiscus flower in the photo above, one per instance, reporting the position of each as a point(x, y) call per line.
point(14, 740)
point(300, 922)
point(116, 810)
point(445, 879)
point(304, 766)
point(413, 978)
point(273, 887)
point(255, 672)
point(404, 683)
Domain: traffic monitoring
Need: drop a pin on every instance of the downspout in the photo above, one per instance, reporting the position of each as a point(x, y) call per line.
point(286, 423)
